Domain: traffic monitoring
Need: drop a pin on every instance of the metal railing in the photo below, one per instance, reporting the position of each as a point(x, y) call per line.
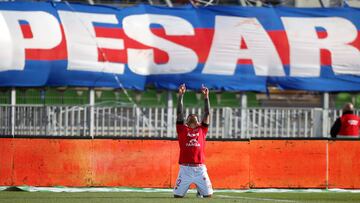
point(117, 121)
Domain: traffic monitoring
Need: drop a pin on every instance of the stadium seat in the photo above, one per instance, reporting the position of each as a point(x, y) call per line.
point(150, 98)
point(106, 97)
point(357, 101)
point(70, 96)
point(229, 99)
point(53, 96)
point(28, 96)
point(251, 100)
point(190, 99)
point(342, 98)
point(4, 96)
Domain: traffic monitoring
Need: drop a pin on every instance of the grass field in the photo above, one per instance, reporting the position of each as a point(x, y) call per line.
point(159, 197)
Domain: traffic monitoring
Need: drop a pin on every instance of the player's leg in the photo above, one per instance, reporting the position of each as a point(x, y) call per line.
point(182, 183)
point(203, 182)
point(198, 195)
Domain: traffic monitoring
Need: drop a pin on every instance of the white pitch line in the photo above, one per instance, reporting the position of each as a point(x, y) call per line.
point(254, 198)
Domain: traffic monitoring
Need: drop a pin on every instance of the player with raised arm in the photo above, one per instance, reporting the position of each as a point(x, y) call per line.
point(191, 137)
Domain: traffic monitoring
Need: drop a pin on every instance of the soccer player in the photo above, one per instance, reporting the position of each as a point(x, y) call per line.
point(191, 136)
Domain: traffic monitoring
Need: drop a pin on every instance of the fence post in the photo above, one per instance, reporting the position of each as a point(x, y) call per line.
point(13, 103)
point(91, 113)
point(243, 115)
point(170, 107)
point(325, 114)
point(242, 2)
point(317, 127)
point(169, 3)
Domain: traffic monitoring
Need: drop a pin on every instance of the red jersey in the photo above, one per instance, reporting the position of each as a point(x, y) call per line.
point(350, 124)
point(192, 144)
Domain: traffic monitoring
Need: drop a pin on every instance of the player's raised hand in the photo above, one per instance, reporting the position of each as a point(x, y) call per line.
point(182, 89)
point(205, 91)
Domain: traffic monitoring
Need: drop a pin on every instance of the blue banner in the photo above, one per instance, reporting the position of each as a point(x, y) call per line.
point(225, 48)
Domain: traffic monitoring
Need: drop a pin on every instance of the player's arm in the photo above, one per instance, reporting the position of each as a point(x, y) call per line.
point(180, 117)
point(335, 128)
point(206, 117)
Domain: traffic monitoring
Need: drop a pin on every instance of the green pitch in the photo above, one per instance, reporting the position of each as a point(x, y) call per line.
point(159, 197)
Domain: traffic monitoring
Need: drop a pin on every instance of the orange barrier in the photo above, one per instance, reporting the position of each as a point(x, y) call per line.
point(344, 164)
point(133, 163)
point(228, 164)
point(153, 163)
point(288, 164)
point(52, 162)
point(6, 160)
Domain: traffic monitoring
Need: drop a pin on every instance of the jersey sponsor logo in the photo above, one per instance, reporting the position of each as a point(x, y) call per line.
point(193, 134)
point(353, 122)
point(193, 143)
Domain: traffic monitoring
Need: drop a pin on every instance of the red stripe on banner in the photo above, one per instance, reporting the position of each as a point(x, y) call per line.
point(322, 34)
point(26, 31)
point(106, 32)
point(281, 44)
point(57, 53)
point(356, 42)
point(200, 42)
point(243, 45)
point(112, 55)
point(325, 55)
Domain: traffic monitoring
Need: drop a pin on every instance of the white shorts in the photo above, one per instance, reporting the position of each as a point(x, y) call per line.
point(197, 175)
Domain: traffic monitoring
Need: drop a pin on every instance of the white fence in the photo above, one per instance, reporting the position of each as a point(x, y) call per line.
point(113, 121)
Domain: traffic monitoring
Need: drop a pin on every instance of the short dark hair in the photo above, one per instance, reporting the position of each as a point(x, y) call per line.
point(193, 114)
point(348, 107)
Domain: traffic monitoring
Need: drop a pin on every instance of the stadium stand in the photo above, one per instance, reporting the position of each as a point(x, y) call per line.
point(155, 98)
